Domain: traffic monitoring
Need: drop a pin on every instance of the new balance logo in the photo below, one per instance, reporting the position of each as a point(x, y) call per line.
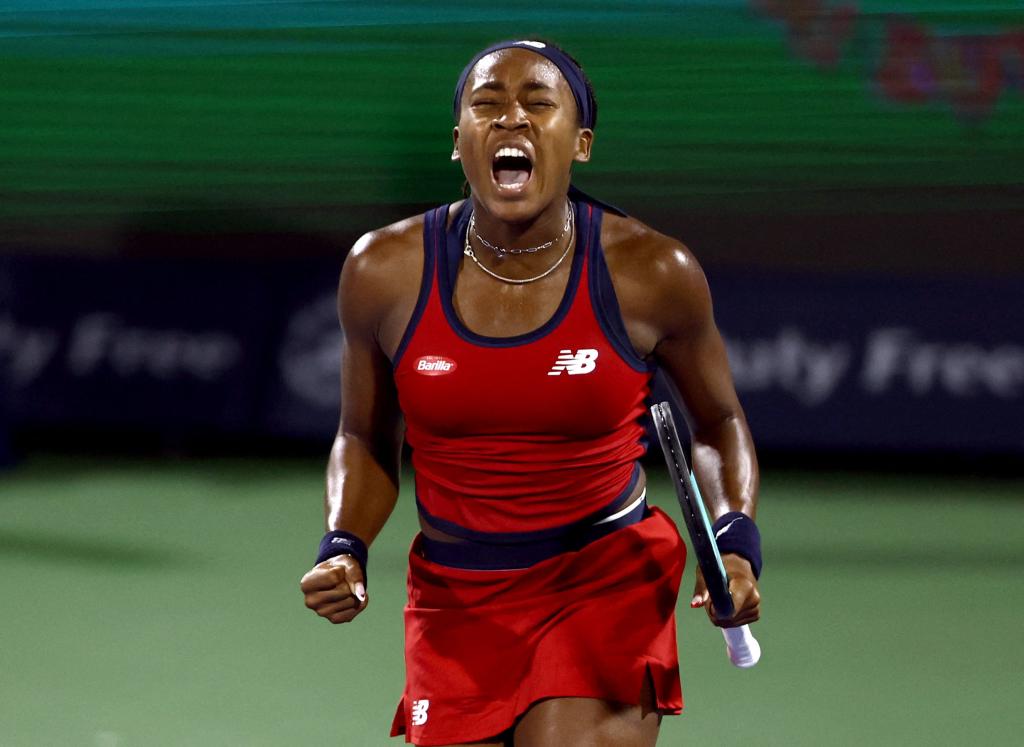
point(419, 712)
point(580, 362)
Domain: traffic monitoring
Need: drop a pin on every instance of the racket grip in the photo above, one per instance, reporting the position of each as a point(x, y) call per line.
point(744, 650)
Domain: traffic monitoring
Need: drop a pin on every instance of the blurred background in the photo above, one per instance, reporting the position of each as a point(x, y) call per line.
point(180, 181)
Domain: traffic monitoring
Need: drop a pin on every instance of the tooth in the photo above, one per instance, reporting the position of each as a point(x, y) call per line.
point(510, 153)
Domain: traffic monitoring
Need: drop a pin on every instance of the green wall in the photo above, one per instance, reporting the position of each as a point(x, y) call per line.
point(312, 117)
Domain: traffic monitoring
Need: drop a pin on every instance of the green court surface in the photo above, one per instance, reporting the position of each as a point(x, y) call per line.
point(157, 603)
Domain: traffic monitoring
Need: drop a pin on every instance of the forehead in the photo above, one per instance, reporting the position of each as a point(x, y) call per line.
point(515, 67)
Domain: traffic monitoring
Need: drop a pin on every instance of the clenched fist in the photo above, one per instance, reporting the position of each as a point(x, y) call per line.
point(336, 589)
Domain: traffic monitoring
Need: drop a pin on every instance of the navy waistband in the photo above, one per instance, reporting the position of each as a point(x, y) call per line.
point(486, 556)
point(516, 538)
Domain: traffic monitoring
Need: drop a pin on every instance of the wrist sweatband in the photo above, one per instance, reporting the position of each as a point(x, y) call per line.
point(343, 543)
point(735, 532)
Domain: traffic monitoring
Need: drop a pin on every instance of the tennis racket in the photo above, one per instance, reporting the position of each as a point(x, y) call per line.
point(744, 650)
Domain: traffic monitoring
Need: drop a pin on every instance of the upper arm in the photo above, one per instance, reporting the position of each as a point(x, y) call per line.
point(369, 401)
point(690, 347)
point(666, 305)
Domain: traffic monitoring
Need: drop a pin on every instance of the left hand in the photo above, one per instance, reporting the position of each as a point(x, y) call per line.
point(746, 598)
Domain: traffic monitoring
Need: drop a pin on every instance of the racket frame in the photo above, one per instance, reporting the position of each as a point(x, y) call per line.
point(744, 650)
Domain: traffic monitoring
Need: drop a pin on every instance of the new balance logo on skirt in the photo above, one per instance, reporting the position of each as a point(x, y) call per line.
point(419, 712)
point(580, 362)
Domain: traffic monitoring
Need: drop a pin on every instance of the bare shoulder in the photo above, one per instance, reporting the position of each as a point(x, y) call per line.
point(384, 252)
point(651, 271)
point(380, 280)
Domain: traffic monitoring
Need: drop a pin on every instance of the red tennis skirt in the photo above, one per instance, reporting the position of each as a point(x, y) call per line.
point(482, 646)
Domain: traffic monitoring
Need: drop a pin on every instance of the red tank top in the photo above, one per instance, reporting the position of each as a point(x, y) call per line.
point(527, 433)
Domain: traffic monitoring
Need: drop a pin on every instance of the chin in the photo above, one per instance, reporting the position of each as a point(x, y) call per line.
point(513, 207)
point(512, 210)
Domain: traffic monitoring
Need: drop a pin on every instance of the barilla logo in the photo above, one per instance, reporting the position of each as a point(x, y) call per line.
point(435, 365)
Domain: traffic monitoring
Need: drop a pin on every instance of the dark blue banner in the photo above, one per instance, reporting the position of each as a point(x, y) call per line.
point(879, 363)
point(140, 343)
point(820, 362)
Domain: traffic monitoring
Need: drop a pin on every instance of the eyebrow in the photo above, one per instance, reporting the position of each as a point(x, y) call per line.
point(496, 85)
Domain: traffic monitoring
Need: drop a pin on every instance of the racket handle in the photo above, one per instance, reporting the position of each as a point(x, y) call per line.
point(744, 650)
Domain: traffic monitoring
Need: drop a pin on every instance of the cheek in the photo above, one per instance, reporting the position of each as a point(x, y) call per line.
point(561, 150)
point(472, 154)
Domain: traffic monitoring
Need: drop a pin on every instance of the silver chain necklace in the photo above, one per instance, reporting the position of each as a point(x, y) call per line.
point(502, 251)
point(468, 251)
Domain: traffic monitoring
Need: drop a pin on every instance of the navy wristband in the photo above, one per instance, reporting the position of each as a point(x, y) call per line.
point(736, 533)
point(343, 543)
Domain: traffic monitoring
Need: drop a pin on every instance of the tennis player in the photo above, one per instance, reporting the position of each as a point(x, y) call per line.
point(511, 339)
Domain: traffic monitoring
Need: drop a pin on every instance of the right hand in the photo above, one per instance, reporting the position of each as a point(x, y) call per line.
point(742, 587)
point(336, 589)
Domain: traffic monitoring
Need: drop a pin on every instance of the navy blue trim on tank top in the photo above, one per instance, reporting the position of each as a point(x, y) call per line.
point(448, 267)
point(538, 535)
point(606, 305)
point(426, 282)
point(578, 195)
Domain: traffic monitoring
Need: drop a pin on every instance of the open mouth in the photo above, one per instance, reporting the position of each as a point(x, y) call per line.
point(511, 168)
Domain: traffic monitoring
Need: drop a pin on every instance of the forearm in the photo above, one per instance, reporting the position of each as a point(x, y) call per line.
point(726, 466)
point(362, 487)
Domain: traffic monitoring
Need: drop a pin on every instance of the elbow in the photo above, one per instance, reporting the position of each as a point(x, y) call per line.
point(725, 423)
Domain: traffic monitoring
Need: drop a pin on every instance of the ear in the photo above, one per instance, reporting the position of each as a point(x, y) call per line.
point(455, 139)
point(583, 144)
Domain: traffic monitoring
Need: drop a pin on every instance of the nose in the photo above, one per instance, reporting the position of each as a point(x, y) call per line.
point(512, 117)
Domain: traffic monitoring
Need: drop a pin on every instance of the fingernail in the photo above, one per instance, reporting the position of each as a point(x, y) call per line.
point(695, 602)
point(360, 592)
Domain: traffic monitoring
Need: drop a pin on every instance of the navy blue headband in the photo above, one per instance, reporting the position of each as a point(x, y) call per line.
point(569, 69)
